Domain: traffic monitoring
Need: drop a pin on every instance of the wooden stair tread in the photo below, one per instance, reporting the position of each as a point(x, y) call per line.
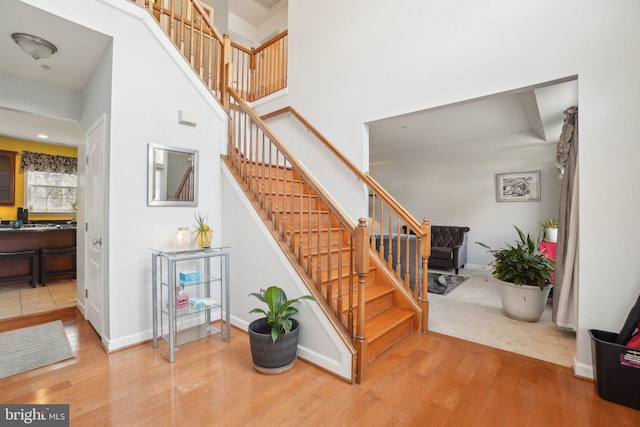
point(324, 250)
point(371, 292)
point(376, 326)
point(374, 291)
point(345, 274)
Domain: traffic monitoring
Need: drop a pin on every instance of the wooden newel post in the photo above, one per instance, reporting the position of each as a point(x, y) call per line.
point(425, 253)
point(361, 254)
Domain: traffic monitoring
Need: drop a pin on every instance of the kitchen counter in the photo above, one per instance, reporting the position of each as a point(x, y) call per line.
point(37, 236)
point(38, 228)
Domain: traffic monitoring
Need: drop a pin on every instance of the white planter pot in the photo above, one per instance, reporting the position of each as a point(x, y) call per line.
point(551, 234)
point(524, 303)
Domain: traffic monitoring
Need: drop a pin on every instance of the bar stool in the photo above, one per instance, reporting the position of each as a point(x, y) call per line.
point(31, 254)
point(47, 252)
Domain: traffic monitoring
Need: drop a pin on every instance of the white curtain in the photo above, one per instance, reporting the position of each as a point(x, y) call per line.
point(565, 292)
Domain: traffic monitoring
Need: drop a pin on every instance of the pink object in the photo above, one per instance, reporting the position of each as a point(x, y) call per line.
point(549, 249)
point(182, 301)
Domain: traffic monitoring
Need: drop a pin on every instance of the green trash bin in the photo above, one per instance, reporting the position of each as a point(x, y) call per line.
point(616, 369)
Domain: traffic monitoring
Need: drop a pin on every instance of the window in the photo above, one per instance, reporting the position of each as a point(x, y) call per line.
point(51, 192)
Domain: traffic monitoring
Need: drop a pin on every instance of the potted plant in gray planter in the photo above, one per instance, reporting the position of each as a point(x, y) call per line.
point(274, 338)
point(525, 275)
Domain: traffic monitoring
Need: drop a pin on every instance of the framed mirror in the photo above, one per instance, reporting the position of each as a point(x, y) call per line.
point(172, 176)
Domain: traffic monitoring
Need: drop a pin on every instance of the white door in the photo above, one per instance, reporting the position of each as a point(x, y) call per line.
point(95, 214)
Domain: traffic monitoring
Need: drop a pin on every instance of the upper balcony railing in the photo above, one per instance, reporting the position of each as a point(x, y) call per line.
point(261, 71)
point(253, 73)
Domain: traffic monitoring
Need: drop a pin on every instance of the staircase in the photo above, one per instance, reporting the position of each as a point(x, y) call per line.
point(323, 250)
point(371, 303)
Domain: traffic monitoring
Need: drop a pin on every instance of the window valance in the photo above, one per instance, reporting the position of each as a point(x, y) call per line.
point(41, 162)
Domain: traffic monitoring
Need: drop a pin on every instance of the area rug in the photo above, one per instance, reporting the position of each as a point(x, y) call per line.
point(29, 348)
point(442, 284)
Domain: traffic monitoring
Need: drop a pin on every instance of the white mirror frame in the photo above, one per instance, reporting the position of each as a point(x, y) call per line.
point(159, 166)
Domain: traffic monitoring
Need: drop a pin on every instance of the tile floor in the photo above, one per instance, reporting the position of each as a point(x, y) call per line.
point(20, 300)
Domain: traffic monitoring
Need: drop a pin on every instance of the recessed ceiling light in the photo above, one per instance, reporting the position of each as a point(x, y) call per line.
point(43, 136)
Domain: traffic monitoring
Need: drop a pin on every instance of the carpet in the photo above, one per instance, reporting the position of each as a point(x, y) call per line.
point(29, 348)
point(442, 284)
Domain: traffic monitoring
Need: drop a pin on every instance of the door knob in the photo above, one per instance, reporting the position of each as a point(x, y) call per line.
point(97, 241)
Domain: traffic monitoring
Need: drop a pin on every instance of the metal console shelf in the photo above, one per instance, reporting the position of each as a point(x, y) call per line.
point(165, 285)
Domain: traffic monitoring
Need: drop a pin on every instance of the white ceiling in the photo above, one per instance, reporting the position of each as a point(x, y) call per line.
point(537, 112)
point(79, 50)
point(256, 12)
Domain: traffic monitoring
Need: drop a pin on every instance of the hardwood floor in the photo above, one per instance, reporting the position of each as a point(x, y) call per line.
point(426, 380)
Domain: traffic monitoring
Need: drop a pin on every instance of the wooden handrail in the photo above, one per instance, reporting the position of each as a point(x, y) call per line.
point(183, 192)
point(308, 178)
point(205, 15)
point(271, 41)
point(240, 47)
point(367, 179)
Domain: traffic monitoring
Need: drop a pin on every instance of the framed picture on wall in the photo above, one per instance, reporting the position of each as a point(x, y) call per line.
point(518, 187)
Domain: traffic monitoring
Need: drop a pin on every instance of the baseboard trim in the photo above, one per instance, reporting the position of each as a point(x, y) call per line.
point(582, 369)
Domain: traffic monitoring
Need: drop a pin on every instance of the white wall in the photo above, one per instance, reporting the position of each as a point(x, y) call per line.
point(272, 26)
point(144, 109)
point(249, 35)
point(330, 173)
point(454, 184)
point(220, 14)
point(243, 32)
point(380, 59)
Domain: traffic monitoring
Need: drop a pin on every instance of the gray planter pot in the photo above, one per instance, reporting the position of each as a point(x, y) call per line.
point(272, 357)
point(524, 303)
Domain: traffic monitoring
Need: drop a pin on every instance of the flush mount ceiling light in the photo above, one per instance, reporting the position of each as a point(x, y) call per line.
point(35, 46)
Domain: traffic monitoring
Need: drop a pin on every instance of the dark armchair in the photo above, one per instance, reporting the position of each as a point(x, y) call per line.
point(448, 247)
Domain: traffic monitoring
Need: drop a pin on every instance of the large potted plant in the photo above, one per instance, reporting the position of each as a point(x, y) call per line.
point(525, 277)
point(274, 338)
